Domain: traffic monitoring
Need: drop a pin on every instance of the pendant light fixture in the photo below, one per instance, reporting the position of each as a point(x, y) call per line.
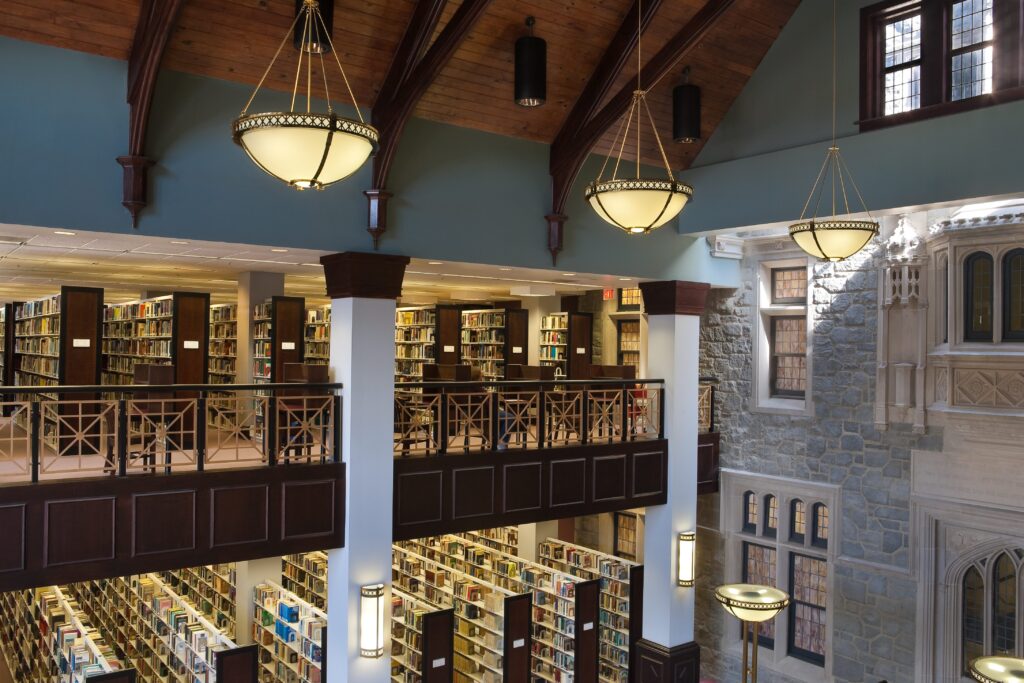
point(686, 111)
point(306, 149)
point(833, 238)
point(531, 87)
point(637, 205)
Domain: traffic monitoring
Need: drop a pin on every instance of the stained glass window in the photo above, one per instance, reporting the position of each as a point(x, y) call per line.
point(629, 299)
point(798, 515)
point(809, 585)
point(1013, 295)
point(789, 285)
point(759, 567)
point(978, 297)
point(1004, 606)
point(789, 356)
point(771, 516)
point(820, 536)
point(972, 632)
point(750, 512)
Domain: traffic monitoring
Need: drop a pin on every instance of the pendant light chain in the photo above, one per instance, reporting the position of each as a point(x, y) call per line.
point(271, 65)
point(344, 77)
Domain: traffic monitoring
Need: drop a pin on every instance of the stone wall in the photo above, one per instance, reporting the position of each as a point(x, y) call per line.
point(873, 595)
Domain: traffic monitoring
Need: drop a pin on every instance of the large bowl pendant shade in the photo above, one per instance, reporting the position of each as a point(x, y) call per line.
point(305, 150)
point(998, 670)
point(832, 240)
point(638, 205)
point(751, 603)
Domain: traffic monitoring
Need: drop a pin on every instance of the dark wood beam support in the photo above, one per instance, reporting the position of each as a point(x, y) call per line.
point(556, 230)
point(156, 21)
point(413, 68)
point(586, 124)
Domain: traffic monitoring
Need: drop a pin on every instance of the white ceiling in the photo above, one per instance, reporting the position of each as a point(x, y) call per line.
point(35, 262)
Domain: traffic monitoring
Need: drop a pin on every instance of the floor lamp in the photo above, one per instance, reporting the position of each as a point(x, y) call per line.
point(998, 670)
point(751, 604)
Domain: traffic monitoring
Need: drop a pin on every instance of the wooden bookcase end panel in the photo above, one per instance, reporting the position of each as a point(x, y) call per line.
point(448, 336)
point(581, 331)
point(287, 333)
point(81, 330)
point(438, 646)
point(191, 350)
point(636, 617)
point(518, 629)
point(517, 338)
point(240, 665)
point(587, 628)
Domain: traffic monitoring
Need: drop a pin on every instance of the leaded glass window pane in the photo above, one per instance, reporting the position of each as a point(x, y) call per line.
point(799, 517)
point(749, 511)
point(807, 613)
point(901, 90)
point(789, 285)
point(821, 525)
point(771, 517)
point(759, 567)
point(789, 356)
point(972, 632)
point(1013, 295)
point(1004, 608)
point(978, 285)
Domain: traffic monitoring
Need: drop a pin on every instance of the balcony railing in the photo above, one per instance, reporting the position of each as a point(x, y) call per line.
point(434, 418)
point(50, 433)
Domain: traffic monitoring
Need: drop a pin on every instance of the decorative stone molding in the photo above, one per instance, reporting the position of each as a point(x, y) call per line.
point(725, 247)
point(988, 388)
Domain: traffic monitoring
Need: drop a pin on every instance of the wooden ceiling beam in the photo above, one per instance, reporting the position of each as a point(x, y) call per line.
point(414, 67)
point(575, 141)
point(152, 31)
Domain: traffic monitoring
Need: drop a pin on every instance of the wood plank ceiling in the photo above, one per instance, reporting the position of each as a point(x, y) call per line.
point(235, 40)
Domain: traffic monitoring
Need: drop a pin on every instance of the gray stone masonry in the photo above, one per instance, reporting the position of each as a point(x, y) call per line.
point(872, 610)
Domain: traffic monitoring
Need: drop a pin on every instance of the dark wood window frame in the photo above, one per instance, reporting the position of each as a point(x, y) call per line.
point(1008, 334)
point(750, 526)
point(787, 299)
point(936, 56)
point(968, 274)
point(792, 649)
point(816, 540)
point(773, 390)
point(769, 530)
point(794, 535)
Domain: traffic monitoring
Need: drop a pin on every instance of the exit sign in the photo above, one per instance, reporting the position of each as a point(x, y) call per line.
point(609, 294)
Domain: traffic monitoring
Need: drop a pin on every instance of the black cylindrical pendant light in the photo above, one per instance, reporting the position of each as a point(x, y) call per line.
point(315, 41)
point(686, 111)
point(531, 69)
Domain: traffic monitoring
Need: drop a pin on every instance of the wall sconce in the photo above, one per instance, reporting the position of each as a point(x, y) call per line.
point(371, 621)
point(686, 558)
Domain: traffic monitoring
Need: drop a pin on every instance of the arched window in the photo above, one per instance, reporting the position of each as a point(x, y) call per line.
point(1004, 606)
point(750, 512)
point(771, 516)
point(819, 530)
point(972, 630)
point(798, 521)
point(1013, 295)
point(978, 293)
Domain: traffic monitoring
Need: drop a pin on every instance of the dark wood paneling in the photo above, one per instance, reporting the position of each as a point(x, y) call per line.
point(448, 335)
point(581, 336)
point(152, 534)
point(240, 665)
point(453, 493)
point(368, 276)
point(517, 338)
point(240, 514)
point(473, 492)
point(587, 627)
point(12, 550)
point(659, 664)
point(636, 616)
point(81, 313)
point(191, 324)
point(674, 297)
point(300, 504)
point(648, 474)
point(518, 624)
point(287, 333)
point(134, 524)
point(708, 468)
point(438, 646)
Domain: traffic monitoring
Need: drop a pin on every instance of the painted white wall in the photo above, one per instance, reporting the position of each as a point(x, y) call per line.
point(248, 575)
point(253, 288)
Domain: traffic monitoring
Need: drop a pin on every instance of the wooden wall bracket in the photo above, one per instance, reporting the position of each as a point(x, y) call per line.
point(586, 124)
point(156, 21)
point(413, 68)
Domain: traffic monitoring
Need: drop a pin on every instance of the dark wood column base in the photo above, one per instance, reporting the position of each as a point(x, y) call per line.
point(659, 664)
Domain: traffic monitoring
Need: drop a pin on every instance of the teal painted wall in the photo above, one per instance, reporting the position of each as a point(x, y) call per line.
point(460, 194)
point(762, 159)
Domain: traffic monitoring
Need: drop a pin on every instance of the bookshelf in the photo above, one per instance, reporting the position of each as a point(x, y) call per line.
point(318, 335)
point(566, 343)
point(491, 625)
point(305, 574)
point(166, 330)
point(421, 640)
point(160, 633)
point(629, 343)
point(620, 602)
point(57, 342)
point(8, 360)
point(554, 341)
point(564, 644)
point(502, 538)
point(490, 338)
point(415, 331)
point(211, 589)
point(223, 349)
point(626, 538)
point(46, 636)
point(290, 634)
point(278, 337)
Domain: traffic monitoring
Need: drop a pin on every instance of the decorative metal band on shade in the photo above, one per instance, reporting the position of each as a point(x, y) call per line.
point(305, 150)
point(751, 603)
point(633, 205)
point(997, 670)
point(833, 240)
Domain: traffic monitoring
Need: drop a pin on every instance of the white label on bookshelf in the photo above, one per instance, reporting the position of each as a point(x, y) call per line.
point(81, 343)
point(449, 348)
point(518, 642)
point(191, 344)
point(588, 626)
point(580, 350)
point(287, 346)
point(438, 663)
point(517, 349)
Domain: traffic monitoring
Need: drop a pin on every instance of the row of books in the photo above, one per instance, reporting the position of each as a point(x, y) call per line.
point(415, 316)
point(554, 322)
point(31, 309)
point(46, 346)
point(416, 352)
point(483, 319)
point(548, 337)
point(37, 326)
point(483, 336)
point(223, 313)
point(419, 335)
point(153, 308)
point(152, 348)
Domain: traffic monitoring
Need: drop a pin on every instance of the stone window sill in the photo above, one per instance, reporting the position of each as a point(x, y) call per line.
point(781, 406)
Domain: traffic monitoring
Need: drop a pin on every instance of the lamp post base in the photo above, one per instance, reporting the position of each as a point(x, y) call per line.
point(656, 663)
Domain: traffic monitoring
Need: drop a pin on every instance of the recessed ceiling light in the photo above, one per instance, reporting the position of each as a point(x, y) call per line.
point(67, 233)
point(625, 279)
point(279, 251)
point(569, 274)
point(178, 242)
point(504, 269)
point(435, 263)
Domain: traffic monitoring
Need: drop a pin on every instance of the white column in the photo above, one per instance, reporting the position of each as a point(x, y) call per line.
point(362, 358)
point(248, 575)
point(532, 534)
point(253, 288)
point(673, 354)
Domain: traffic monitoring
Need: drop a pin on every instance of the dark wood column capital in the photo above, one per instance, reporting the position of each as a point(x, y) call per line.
point(674, 297)
point(369, 276)
point(659, 664)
